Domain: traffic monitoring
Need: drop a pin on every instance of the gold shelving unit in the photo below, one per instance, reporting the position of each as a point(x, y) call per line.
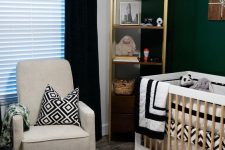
point(114, 25)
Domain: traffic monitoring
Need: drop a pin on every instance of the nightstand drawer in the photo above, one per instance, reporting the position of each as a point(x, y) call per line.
point(123, 104)
point(122, 123)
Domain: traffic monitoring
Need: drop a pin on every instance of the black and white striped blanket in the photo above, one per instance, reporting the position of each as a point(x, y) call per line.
point(150, 112)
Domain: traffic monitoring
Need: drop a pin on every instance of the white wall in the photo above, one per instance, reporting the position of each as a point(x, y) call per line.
point(103, 49)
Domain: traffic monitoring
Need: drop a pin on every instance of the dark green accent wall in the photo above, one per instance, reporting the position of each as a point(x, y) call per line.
point(194, 42)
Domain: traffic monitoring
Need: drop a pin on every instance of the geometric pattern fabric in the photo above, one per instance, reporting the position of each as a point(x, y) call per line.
point(193, 136)
point(57, 111)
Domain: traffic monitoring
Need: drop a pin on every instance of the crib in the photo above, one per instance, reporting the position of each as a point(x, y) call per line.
point(195, 118)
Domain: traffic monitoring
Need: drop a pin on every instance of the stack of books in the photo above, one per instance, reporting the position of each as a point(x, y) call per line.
point(125, 59)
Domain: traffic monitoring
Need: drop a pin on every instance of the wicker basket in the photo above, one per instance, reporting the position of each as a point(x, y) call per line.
point(123, 87)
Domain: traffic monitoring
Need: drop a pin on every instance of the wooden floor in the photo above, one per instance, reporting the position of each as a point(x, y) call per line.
point(103, 144)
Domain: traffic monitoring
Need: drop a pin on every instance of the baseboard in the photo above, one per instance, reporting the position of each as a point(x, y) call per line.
point(105, 129)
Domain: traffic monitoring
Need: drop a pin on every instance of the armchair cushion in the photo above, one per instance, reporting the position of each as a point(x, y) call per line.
point(53, 132)
point(56, 137)
point(57, 111)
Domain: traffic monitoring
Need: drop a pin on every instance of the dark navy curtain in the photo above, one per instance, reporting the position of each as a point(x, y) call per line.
point(81, 50)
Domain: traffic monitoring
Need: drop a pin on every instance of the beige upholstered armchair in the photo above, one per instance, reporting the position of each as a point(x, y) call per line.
point(32, 78)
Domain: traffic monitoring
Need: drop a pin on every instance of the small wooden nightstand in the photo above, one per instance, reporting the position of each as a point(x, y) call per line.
point(122, 118)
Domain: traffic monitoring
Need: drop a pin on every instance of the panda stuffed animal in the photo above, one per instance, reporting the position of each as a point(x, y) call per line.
point(186, 81)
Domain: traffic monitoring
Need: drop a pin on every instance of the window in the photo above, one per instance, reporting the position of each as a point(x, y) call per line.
point(29, 29)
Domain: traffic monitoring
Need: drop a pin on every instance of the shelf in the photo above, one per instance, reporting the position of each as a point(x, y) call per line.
point(117, 26)
point(125, 59)
point(123, 96)
point(141, 63)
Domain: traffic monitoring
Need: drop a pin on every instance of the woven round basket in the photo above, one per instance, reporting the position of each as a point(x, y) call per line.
point(123, 87)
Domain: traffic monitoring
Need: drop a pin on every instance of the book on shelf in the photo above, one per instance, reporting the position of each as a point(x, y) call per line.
point(125, 59)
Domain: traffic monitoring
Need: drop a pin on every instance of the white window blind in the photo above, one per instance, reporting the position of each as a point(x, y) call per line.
point(29, 29)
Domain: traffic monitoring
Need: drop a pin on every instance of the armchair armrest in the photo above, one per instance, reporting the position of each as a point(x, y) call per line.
point(87, 118)
point(17, 125)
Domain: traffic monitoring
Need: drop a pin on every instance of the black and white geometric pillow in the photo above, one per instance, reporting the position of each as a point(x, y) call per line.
point(57, 111)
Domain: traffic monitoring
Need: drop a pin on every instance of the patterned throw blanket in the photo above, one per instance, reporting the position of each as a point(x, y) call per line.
point(150, 107)
point(200, 135)
point(193, 136)
point(6, 133)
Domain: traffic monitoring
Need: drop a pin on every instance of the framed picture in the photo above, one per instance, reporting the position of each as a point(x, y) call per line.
point(216, 10)
point(129, 13)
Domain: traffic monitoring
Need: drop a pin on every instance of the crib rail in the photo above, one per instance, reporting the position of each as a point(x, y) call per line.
point(153, 144)
point(188, 126)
